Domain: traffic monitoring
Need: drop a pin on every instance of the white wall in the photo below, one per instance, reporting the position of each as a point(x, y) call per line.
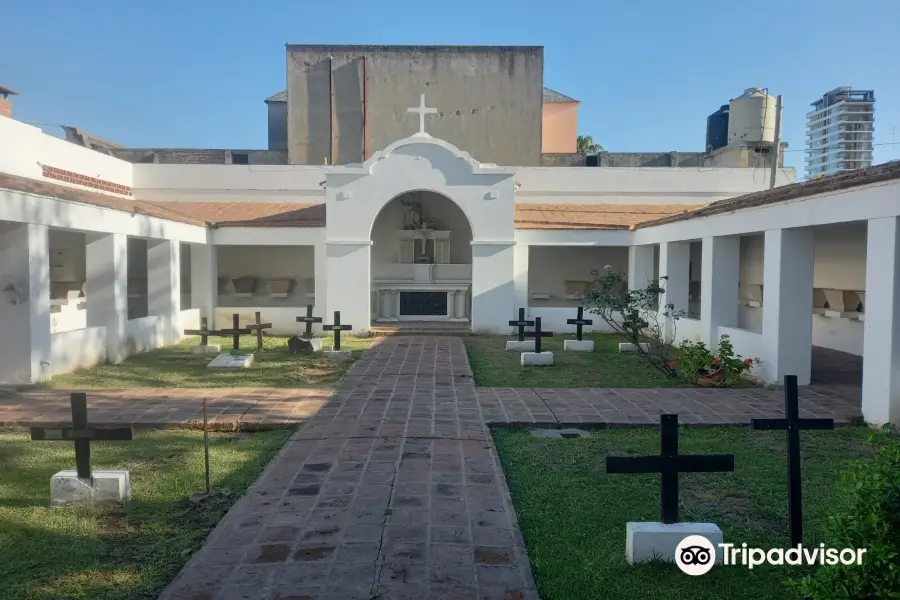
point(282, 318)
point(588, 185)
point(553, 318)
point(146, 333)
point(78, 349)
point(549, 267)
point(31, 148)
point(264, 263)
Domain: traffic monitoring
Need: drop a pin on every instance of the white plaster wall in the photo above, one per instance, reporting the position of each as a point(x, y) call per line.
point(188, 319)
point(553, 318)
point(78, 349)
point(688, 329)
point(493, 290)
point(264, 263)
point(146, 333)
point(590, 185)
point(282, 318)
point(549, 267)
point(439, 213)
point(745, 343)
point(67, 249)
point(30, 148)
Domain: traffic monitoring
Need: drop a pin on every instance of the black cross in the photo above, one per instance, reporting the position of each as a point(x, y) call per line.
point(258, 327)
point(669, 464)
point(309, 320)
point(82, 435)
point(337, 328)
point(579, 323)
point(793, 424)
point(521, 324)
point(204, 332)
point(236, 332)
point(537, 334)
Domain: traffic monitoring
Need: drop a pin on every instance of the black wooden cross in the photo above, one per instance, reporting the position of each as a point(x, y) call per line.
point(258, 327)
point(204, 332)
point(669, 464)
point(337, 328)
point(82, 435)
point(579, 323)
point(537, 334)
point(521, 324)
point(309, 320)
point(793, 424)
point(236, 332)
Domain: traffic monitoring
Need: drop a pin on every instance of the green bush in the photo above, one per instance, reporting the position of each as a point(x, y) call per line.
point(869, 517)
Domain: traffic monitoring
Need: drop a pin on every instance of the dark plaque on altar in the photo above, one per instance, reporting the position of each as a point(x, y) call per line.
point(423, 259)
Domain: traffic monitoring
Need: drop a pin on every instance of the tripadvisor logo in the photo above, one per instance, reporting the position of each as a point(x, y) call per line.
point(696, 555)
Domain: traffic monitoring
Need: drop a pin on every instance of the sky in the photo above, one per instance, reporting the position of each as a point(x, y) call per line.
point(193, 73)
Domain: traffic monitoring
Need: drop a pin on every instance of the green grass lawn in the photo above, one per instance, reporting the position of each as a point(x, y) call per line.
point(573, 514)
point(131, 553)
point(274, 366)
point(493, 366)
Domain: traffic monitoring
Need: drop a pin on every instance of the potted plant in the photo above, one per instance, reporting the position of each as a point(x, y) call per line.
point(715, 374)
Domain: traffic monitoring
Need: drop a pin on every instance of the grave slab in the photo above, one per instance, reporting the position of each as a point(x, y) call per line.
point(316, 344)
point(647, 541)
point(629, 347)
point(206, 349)
point(537, 359)
point(560, 434)
point(517, 346)
point(231, 362)
point(338, 354)
point(106, 487)
point(578, 345)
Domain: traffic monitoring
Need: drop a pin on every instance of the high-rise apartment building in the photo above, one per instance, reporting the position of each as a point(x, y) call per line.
point(839, 132)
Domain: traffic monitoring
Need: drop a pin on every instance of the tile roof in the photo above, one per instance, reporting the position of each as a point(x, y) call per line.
point(249, 214)
point(71, 194)
point(842, 181)
point(592, 216)
point(549, 96)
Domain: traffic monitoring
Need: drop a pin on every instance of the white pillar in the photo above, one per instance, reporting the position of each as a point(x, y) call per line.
point(385, 301)
point(493, 288)
point(720, 276)
point(349, 286)
point(640, 266)
point(106, 263)
point(460, 303)
point(881, 346)
point(520, 258)
point(788, 262)
point(320, 281)
point(674, 264)
point(164, 287)
point(205, 281)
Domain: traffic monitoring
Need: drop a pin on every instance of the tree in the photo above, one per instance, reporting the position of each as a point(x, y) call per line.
point(586, 145)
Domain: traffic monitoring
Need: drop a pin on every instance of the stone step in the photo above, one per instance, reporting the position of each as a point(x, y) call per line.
point(420, 328)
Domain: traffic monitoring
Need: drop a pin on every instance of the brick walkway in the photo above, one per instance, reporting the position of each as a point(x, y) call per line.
point(394, 486)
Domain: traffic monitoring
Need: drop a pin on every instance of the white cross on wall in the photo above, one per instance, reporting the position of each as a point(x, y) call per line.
point(422, 110)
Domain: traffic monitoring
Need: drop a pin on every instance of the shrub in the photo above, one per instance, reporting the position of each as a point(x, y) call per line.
point(869, 517)
point(695, 357)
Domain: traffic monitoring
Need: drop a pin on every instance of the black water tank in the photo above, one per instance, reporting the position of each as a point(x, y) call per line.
point(717, 129)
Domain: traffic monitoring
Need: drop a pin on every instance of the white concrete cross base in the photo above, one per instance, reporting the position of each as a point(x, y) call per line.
point(517, 346)
point(338, 354)
point(629, 347)
point(206, 349)
point(648, 541)
point(316, 344)
point(537, 359)
point(107, 487)
point(578, 345)
point(231, 362)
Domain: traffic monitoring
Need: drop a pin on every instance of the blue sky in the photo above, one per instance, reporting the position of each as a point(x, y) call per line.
point(193, 73)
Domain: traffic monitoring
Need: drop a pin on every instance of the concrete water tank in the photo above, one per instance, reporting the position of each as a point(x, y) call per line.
point(751, 117)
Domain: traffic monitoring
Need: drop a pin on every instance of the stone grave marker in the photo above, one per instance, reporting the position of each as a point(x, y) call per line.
point(234, 360)
point(521, 344)
point(645, 541)
point(309, 319)
point(337, 328)
point(85, 485)
point(538, 357)
point(204, 347)
point(258, 327)
point(579, 344)
point(793, 424)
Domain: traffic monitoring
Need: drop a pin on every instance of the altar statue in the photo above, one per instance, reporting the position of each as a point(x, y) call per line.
point(412, 214)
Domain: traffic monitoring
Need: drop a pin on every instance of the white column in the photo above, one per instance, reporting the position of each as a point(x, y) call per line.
point(385, 298)
point(788, 262)
point(720, 277)
point(320, 260)
point(674, 263)
point(640, 266)
point(520, 258)
point(205, 281)
point(881, 346)
point(349, 286)
point(164, 287)
point(493, 287)
point(106, 262)
point(460, 302)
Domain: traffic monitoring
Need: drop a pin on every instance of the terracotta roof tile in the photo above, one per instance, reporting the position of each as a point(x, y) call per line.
point(249, 214)
point(823, 185)
point(591, 216)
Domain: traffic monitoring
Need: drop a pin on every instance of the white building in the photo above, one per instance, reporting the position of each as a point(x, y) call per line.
point(839, 132)
point(101, 258)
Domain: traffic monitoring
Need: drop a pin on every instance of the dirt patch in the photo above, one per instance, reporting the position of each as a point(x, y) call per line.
point(487, 556)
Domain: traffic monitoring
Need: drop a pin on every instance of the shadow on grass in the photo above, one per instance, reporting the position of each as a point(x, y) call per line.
point(118, 553)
